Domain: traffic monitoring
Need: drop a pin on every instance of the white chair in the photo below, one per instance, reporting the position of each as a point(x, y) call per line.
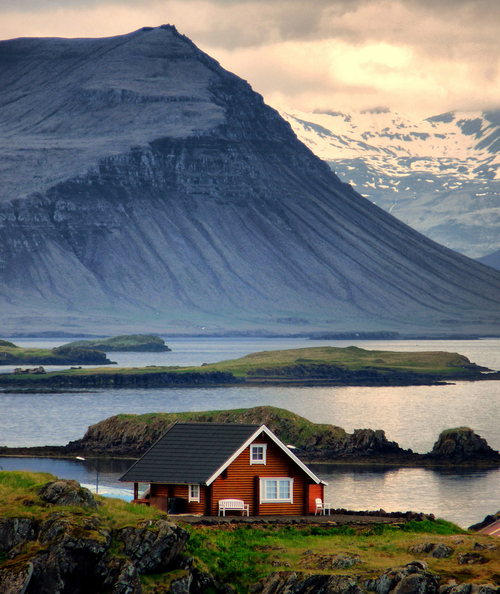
point(321, 507)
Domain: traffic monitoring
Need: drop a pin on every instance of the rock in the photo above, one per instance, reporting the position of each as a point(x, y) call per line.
point(368, 442)
point(456, 589)
point(413, 577)
point(486, 522)
point(461, 445)
point(289, 582)
point(438, 551)
point(441, 551)
point(66, 492)
point(471, 559)
point(153, 545)
point(15, 531)
point(16, 583)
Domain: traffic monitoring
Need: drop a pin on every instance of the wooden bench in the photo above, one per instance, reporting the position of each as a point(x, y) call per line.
point(233, 505)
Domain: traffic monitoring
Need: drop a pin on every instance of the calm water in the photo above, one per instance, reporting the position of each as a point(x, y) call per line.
point(411, 416)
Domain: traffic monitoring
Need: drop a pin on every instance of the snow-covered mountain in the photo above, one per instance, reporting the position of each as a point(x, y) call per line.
point(440, 175)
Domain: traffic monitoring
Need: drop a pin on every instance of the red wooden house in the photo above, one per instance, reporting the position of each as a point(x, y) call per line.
point(194, 466)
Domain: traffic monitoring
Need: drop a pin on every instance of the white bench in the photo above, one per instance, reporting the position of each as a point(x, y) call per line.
point(233, 505)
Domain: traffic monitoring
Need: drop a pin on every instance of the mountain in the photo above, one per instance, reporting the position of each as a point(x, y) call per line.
point(440, 175)
point(146, 189)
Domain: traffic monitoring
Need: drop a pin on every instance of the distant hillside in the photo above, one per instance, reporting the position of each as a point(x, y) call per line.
point(492, 260)
point(143, 188)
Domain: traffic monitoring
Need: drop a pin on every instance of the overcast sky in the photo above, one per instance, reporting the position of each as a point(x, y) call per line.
point(420, 57)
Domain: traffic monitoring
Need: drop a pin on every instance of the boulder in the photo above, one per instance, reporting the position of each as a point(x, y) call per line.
point(436, 550)
point(66, 492)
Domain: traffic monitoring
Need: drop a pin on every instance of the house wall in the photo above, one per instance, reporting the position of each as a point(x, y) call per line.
point(161, 493)
point(241, 480)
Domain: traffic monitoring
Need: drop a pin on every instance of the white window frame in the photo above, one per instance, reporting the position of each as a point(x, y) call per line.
point(253, 446)
point(277, 499)
point(194, 493)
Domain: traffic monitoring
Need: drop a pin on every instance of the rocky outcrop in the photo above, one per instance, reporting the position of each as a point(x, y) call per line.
point(367, 442)
point(411, 579)
point(153, 545)
point(486, 522)
point(462, 445)
point(68, 553)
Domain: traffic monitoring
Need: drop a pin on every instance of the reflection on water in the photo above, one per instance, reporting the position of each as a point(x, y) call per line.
point(463, 496)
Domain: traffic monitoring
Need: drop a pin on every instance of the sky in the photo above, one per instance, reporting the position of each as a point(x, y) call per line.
point(415, 57)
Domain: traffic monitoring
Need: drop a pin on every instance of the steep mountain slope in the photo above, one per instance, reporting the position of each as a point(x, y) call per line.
point(146, 188)
point(441, 175)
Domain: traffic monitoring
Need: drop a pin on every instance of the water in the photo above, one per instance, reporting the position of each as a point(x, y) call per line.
point(412, 416)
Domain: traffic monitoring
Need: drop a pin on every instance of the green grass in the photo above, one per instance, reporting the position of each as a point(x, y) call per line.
point(242, 554)
point(352, 358)
point(436, 363)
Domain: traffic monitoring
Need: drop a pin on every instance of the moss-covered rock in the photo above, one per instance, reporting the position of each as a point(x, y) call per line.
point(462, 444)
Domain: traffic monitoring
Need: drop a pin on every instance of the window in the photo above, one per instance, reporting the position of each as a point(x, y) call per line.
point(258, 453)
point(194, 493)
point(274, 490)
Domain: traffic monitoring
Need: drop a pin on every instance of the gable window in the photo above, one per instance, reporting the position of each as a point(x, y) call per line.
point(258, 453)
point(276, 490)
point(194, 493)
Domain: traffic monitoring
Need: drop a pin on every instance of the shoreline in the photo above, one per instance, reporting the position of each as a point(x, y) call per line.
point(57, 382)
point(395, 461)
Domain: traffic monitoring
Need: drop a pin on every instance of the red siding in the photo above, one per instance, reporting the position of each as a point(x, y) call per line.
point(243, 481)
point(161, 493)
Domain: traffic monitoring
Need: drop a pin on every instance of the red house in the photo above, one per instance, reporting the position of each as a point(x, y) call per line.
point(197, 467)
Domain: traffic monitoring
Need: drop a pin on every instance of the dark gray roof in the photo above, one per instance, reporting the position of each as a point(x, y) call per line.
point(189, 453)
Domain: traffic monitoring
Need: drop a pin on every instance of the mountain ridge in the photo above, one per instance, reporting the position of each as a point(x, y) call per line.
point(198, 208)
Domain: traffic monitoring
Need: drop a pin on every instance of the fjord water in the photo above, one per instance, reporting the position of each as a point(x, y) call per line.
point(412, 416)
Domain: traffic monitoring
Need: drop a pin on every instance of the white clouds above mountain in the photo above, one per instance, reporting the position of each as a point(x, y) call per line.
point(424, 56)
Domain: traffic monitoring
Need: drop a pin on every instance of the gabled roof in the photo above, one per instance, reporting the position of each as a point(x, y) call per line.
point(196, 453)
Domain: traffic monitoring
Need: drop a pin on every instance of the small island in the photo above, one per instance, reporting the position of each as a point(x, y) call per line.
point(315, 366)
point(11, 354)
point(137, 343)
